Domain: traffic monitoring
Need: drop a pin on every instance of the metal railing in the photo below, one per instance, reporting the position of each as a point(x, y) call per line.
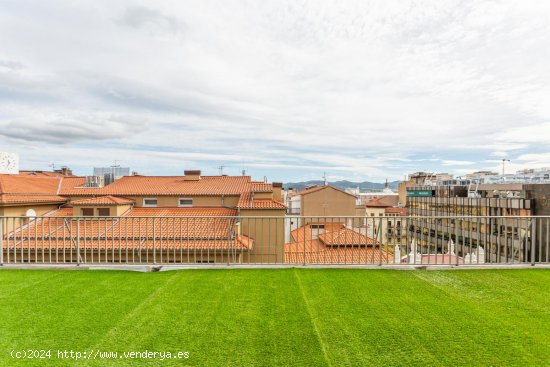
point(382, 241)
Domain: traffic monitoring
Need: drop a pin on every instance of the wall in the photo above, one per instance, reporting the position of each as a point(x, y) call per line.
point(114, 210)
point(263, 195)
point(268, 235)
point(173, 201)
point(541, 196)
point(17, 211)
point(328, 202)
point(402, 190)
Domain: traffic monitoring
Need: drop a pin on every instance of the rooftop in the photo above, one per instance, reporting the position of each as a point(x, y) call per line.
point(102, 201)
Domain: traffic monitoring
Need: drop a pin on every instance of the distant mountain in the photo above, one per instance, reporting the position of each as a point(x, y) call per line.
point(363, 186)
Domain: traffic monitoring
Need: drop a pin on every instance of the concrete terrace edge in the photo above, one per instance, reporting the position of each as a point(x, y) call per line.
point(163, 267)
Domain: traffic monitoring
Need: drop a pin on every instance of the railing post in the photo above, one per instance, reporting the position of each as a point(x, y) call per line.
point(533, 239)
point(229, 242)
point(154, 243)
point(77, 241)
point(380, 227)
point(304, 226)
point(2, 240)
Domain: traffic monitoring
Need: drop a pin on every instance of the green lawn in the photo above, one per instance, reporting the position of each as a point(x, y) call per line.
point(336, 317)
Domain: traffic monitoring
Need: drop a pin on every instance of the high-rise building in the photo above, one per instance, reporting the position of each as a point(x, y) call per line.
point(498, 217)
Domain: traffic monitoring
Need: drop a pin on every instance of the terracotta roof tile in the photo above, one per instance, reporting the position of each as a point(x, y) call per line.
point(163, 186)
point(346, 237)
point(22, 199)
point(319, 188)
point(246, 202)
point(25, 185)
point(399, 211)
point(102, 201)
point(316, 253)
point(196, 246)
point(41, 174)
point(208, 228)
point(383, 202)
point(333, 244)
point(261, 186)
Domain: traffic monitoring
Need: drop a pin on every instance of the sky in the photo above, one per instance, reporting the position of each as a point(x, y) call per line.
point(289, 90)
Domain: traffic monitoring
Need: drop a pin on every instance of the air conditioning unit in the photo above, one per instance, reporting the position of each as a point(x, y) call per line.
point(95, 181)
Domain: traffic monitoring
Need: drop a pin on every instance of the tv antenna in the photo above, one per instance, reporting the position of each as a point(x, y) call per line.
point(221, 167)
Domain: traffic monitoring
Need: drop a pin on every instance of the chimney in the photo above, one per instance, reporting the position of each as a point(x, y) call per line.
point(278, 191)
point(65, 171)
point(192, 175)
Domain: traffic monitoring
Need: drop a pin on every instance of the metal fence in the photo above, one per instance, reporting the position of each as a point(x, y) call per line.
point(382, 241)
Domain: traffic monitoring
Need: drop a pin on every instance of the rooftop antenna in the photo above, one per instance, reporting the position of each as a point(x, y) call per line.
point(504, 160)
point(220, 169)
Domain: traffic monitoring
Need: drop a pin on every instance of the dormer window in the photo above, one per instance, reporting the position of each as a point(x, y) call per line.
point(87, 212)
point(150, 202)
point(185, 202)
point(103, 212)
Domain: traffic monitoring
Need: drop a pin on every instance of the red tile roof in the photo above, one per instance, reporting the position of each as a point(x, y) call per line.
point(399, 211)
point(316, 253)
point(307, 232)
point(103, 201)
point(196, 246)
point(335, 244)
point(246, 201)
point(28, 185)
point(267, 204)
point(163, 186)
point(319, 188)
point(208, 228)
point(377, 203)
point(261, 186)
point(41, 173)
point(346, 237)
point(23, 199)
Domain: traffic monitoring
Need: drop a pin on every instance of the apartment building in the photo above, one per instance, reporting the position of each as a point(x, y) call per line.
point(174, 214)
point(387, 230)
point(326, 201)
point(502, 239)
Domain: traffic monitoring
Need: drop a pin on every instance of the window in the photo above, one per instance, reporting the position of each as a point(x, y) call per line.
point(87, 212)
point(103, 212)
point(151, 202)
point(185, 202)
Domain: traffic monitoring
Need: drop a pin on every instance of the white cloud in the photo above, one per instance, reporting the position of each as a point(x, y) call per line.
point(365, 89)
